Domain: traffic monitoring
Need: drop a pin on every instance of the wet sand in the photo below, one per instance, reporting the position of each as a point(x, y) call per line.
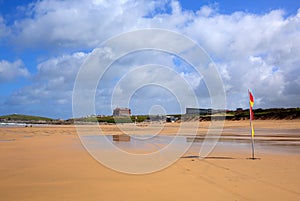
point(49, 163)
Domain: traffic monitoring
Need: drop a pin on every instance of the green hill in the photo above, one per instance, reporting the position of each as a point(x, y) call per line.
point(271, 113)
point(22, 117)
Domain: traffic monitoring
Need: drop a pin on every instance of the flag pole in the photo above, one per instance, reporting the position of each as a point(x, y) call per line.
point(251, 103)
point(252, 138)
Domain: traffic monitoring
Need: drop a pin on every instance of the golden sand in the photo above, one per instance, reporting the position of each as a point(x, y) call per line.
point(49, 163)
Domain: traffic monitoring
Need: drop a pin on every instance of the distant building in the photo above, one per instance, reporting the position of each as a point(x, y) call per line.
point(197, 111)
point(122, 112)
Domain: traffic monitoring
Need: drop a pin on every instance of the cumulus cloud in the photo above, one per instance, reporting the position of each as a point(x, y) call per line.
point(9, 71)
point(59, 72)
point(124, 77)
point(52, 85)
point(79, 24)
point(253, 51)
point(4, 30)
point(164, 87)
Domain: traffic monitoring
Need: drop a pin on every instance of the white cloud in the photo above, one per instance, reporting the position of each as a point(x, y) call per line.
point(52, 85)
point(79, 24)
point(9, 71)
point(155, 85)
point(59, 72)
point(253, 51)
point(4, 30)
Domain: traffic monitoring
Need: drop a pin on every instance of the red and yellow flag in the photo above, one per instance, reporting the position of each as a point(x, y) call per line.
point(251, 99)
point(251, 103)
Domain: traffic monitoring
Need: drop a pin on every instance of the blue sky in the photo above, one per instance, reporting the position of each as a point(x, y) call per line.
point(254, 44)
point(251, 6)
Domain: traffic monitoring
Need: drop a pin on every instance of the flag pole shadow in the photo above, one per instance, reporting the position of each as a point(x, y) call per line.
point(219, 157)
point(210, 157)
point(253, 158)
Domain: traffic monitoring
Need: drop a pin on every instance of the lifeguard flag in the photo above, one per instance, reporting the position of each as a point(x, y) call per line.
point(251, 99)
point(251, 103)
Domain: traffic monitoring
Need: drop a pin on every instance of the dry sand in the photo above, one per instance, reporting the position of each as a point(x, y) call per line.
point(49, 163)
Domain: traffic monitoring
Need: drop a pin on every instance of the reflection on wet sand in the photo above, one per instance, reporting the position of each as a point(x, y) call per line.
point(121, 138)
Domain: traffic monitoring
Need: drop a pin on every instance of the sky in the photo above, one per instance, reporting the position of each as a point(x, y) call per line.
point(43, 45)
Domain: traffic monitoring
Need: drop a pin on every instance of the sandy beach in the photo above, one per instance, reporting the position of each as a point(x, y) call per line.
point(50, 163)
